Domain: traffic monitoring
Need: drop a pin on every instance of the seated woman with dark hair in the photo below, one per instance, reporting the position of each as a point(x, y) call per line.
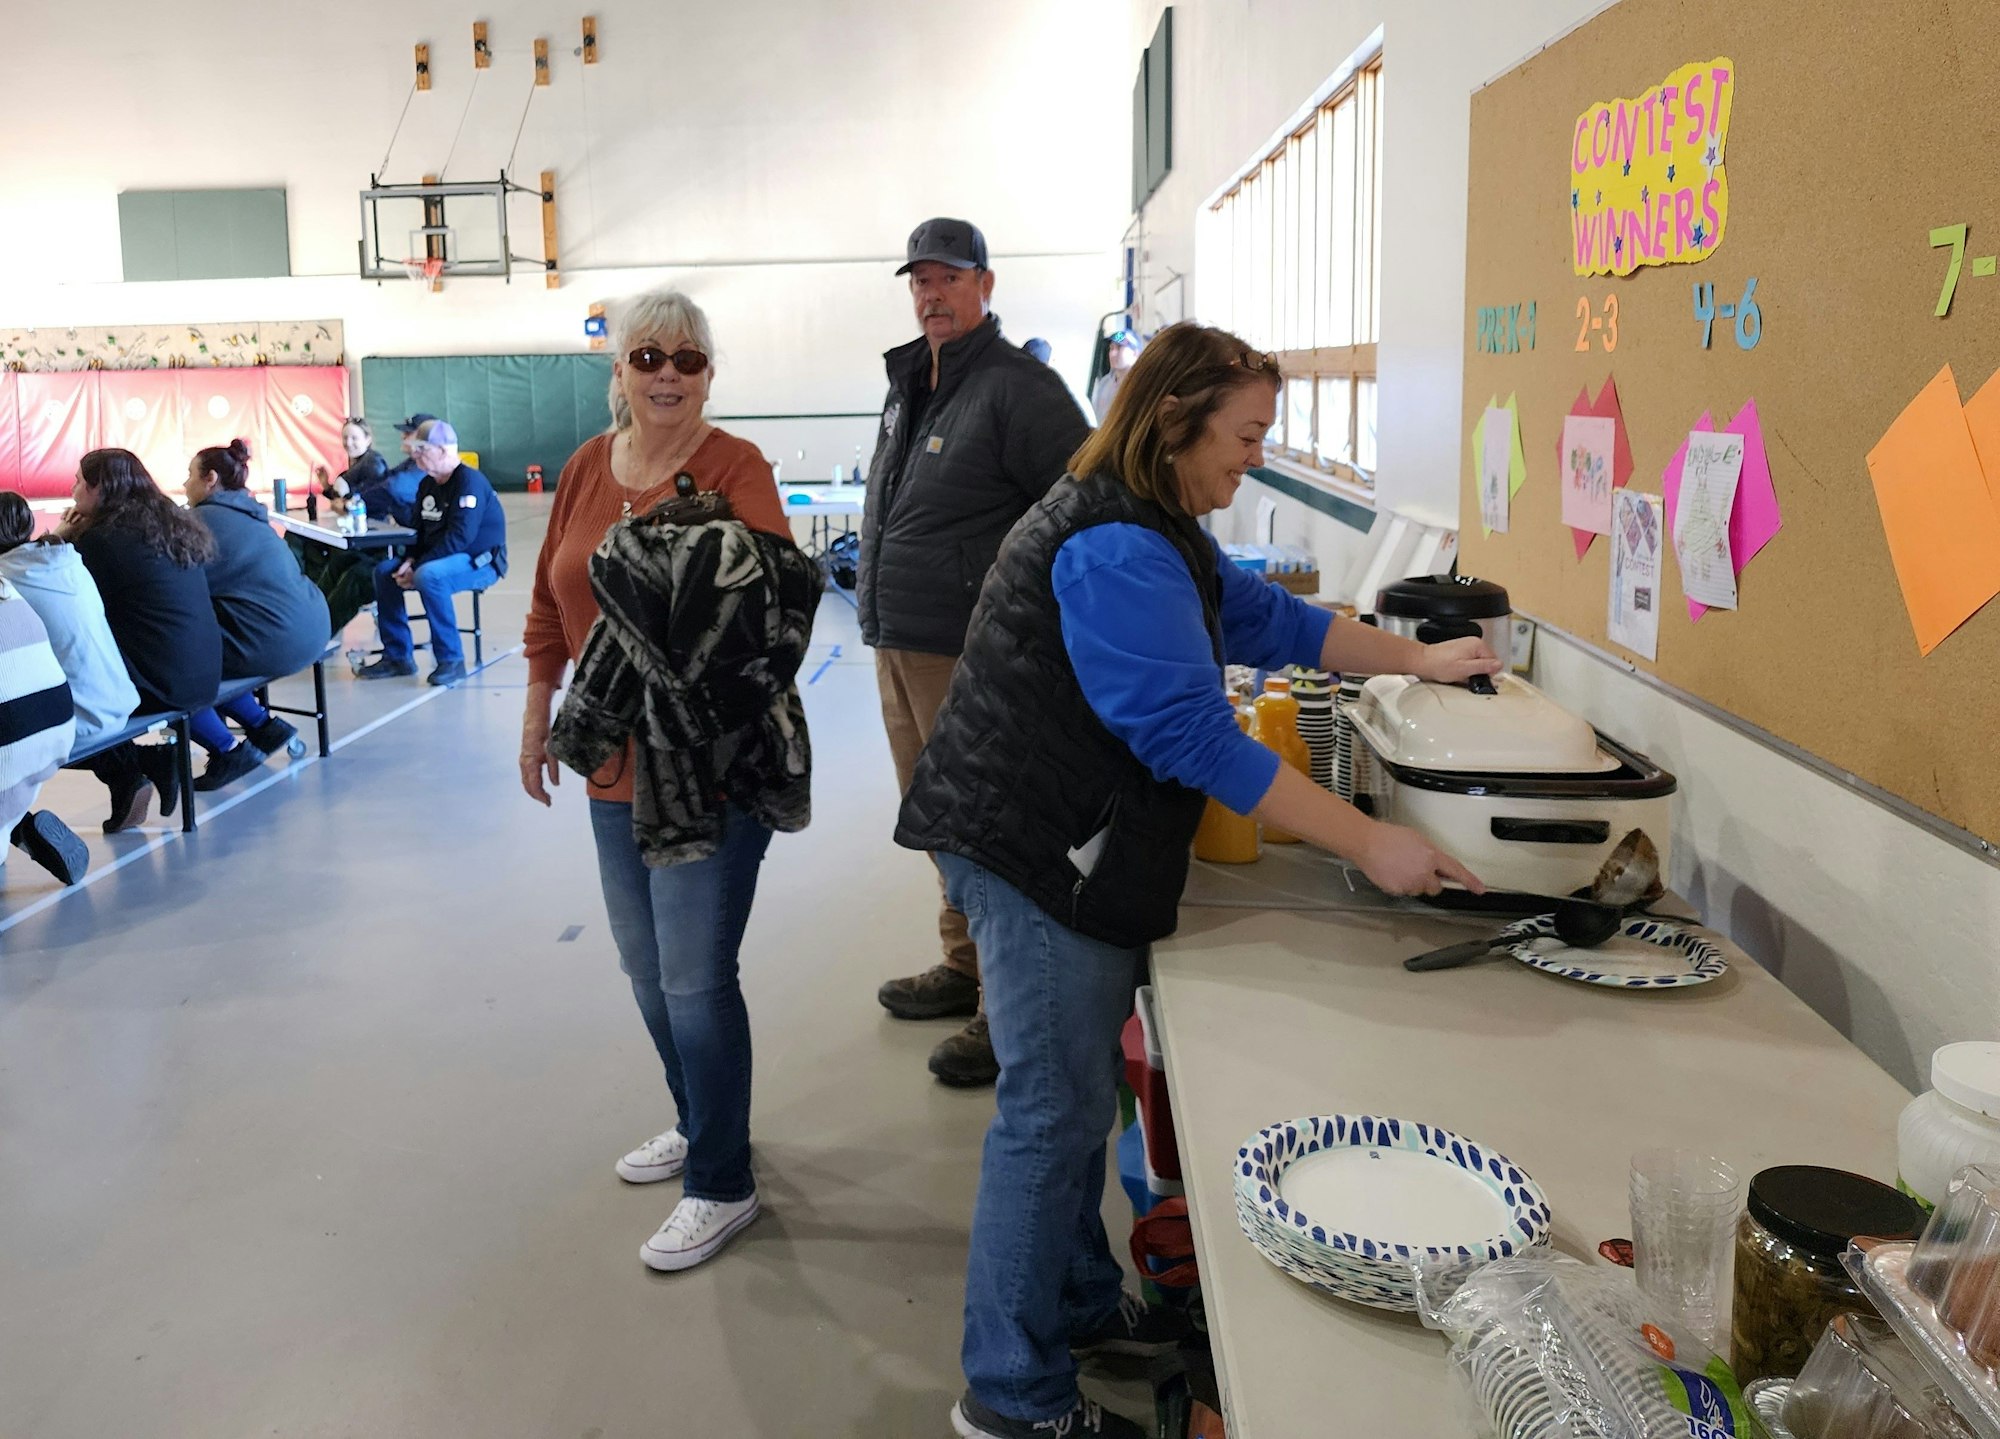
point(274, 622)
point(146, 554)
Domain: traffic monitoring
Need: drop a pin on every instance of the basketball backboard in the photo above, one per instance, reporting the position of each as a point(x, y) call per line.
point(443, 229)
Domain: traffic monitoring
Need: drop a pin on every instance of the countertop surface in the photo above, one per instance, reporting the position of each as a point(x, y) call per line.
point(1295, 1002)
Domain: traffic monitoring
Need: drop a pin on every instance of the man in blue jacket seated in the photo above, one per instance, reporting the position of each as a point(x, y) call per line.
point(394, 496)
point(461, 545)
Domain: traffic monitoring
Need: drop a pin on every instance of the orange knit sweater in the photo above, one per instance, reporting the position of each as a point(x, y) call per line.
point(589, 501)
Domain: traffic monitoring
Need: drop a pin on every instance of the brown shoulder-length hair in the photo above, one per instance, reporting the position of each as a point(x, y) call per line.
point(1198, 367)
point(128, 498)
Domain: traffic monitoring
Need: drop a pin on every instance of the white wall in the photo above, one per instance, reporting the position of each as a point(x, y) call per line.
point(1881, 926)
point(769, 155)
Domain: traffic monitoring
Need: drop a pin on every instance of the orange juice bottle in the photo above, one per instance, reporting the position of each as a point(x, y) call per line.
point(1226, 837)
point(1277, 726)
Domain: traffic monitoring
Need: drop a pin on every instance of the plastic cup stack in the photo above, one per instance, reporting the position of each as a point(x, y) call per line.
point(1313, 689)
point(1685, 1205)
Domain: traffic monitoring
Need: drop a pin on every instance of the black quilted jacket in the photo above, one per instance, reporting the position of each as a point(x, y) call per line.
point(1021, 776)
point(695, 657)
point(952, 473)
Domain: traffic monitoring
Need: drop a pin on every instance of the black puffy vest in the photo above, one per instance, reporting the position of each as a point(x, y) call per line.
point(1019, 771)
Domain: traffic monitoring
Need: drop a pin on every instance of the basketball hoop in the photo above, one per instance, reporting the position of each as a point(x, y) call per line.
point(428, 269)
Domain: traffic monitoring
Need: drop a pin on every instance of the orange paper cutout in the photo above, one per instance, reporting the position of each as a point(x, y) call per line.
point(1982, 416)
point(1942, 527)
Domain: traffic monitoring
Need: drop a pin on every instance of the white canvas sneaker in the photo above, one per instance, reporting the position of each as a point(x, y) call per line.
point(697, 1230)
point(661, 1157)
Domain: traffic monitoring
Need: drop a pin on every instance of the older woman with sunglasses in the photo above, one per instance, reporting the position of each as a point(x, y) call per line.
point(678, 927)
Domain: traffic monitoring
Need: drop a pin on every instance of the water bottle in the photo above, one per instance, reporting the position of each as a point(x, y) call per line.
point(278, 496)
point(857, 465)
point(357, 515)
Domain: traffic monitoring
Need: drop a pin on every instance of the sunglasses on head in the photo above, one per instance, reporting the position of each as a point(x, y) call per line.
point(651, 359)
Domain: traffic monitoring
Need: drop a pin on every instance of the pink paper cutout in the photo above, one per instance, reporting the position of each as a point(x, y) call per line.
point(1754, 521)
point(1605, 407)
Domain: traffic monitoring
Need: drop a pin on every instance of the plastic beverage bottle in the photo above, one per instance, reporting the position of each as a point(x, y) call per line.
point(1277, 727)
point(357, 516)
point(1224, 836)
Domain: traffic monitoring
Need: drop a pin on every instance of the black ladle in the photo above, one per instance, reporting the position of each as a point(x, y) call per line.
point(1436, 632)
point(1580, 924)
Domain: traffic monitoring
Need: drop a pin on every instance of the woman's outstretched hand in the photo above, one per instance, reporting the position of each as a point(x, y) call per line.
point(1401, 861)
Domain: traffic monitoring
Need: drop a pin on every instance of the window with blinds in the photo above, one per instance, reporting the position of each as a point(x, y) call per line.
point(1288, 257)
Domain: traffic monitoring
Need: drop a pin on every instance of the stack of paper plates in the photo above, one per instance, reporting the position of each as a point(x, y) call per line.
point(1354, 1203)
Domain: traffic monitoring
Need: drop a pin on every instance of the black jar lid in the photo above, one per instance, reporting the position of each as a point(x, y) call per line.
point(1820, 1210)
point(1443, 597)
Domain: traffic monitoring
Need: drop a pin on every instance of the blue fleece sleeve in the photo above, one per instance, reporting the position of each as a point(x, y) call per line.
point(1266, 625)
point(1132, 624)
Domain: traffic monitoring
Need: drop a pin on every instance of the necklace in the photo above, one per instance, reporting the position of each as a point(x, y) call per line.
point(681, 457)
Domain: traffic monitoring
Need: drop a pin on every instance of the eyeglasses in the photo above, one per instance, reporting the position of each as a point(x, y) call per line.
point(1256, 360)
point(651, 359)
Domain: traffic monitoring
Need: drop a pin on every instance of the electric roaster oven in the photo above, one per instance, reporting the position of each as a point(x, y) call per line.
point(1528, 796)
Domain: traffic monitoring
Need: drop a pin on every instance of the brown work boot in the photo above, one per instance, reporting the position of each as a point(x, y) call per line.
point(965, 1061)
point(940, 992)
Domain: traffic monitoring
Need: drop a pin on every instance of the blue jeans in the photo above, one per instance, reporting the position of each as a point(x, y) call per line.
point(678, 930)
point(1041, 1271)
point(437, 582)
point(213, 735)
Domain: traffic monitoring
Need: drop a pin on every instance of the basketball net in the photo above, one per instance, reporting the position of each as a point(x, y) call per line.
point(428, 270)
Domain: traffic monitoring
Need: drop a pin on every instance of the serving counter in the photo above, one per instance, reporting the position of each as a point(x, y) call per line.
point(1283, 995)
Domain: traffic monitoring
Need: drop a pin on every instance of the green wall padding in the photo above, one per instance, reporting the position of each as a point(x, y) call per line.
point(203, 234)
point(515, 410)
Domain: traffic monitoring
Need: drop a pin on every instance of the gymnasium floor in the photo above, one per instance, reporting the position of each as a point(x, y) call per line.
point(307, 1120)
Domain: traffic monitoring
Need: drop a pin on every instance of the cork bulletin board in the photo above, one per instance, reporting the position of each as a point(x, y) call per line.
point(1853, 130)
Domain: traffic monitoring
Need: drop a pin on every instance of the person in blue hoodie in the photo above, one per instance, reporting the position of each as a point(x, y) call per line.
point(274, 620)
point(461, 545)
point(50, 576)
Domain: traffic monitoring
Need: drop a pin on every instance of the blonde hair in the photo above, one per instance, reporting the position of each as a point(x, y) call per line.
point(667, 316)
point(1196, 366)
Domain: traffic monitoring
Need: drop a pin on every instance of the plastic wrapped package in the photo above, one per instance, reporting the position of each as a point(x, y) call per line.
point(1552, 1348)
point(1862, 1382)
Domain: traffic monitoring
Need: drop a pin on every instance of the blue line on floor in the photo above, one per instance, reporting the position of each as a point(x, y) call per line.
point(824, 665)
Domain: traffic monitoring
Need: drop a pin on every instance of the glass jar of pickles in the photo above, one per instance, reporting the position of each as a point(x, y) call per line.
point(1789, 1283)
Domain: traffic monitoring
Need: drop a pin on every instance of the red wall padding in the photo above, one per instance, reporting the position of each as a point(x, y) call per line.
point(290, 414)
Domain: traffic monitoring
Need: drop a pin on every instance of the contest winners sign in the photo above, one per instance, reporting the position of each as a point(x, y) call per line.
point(1647, 186)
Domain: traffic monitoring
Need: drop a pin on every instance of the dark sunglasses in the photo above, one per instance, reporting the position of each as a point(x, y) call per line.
point(1256, 360)
point(651, 359)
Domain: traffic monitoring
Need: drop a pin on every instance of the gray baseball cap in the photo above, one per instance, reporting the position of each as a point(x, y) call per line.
point(956, 243)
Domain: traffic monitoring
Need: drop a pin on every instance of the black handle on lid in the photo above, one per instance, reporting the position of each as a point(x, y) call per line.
point(1436, 632)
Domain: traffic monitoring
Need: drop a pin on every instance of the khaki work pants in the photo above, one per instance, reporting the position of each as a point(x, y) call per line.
point(913, 687)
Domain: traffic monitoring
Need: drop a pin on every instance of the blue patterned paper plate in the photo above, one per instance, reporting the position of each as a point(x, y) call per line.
point(1372, 1269)
point(1655, 954)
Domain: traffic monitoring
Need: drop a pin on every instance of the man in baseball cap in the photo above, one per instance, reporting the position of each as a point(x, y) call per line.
point(461, 545)
point(973, 433)
point(399, 486)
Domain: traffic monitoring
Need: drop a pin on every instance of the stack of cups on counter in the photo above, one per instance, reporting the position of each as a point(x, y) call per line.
point(1350, 754)
point(1314, 690)
point(1684, 1210)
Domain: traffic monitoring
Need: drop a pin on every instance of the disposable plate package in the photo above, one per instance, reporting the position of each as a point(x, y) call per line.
point(1552, 1348)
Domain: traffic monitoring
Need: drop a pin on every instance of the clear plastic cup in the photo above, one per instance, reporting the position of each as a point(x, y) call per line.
point(1685, 1206)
